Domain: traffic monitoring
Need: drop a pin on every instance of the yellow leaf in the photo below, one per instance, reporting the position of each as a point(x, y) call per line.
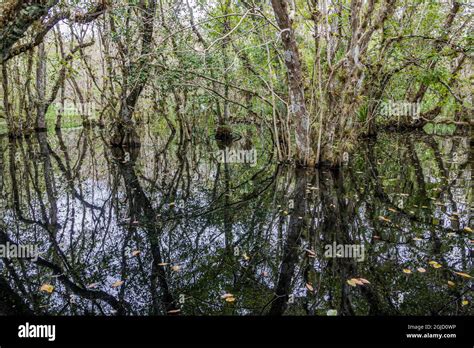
point(246, 257)
point(309, 287)
point(468, 229)
point(47, 288)
point(432, 262)
point(135, 253)
point(357, 281)
point(230, 299)
point(437, 265)
point(417, 238)
point(383, 218)
point(464, 275)
point(406, 270)
point(392, 210)
point(465, 302)
point(351, 282)
point(421, 270)
point(450, 283)
point(117, 283)
point(227, 295)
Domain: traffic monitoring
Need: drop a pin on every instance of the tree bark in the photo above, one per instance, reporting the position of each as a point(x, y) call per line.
point(295, 83)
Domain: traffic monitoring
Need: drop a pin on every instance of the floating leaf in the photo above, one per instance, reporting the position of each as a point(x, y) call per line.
point(464, 275)
point(332, 312)
point(47, 288)
point(406, 270)
point(351, 282)
point(117, 283)
point(383, 218)
point(421, 270)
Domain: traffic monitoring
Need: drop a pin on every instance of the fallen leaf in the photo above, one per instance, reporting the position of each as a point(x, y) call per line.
point(230, 299)
point(135, 253)
point(175, 268)
point(464, 275)
point(406, 270)
point(309, 287)
point(331, 312)
point(246, 257)
point(417, 238)
point(421, 270)
point(363, 280)
point(174, 311)
point(47, 288)
point(465, 302)
point(117, 283)
point(357, 281)
point(92, 286)
point(450, 283)
point(393, 210)
point(311, 253)
point(436, 265)
point(226, 295)
point(468, 229)
point(163, 264)
point(383, 218)
point(351, 282)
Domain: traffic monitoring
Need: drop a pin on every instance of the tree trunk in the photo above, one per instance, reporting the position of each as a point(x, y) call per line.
point(40, 88)
point(298, 109)
point(137, 76)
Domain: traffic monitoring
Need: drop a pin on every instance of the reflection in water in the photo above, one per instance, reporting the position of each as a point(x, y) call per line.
point(168, 229)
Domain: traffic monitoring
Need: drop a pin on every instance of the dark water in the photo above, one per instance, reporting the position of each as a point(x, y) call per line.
point(180, 230)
